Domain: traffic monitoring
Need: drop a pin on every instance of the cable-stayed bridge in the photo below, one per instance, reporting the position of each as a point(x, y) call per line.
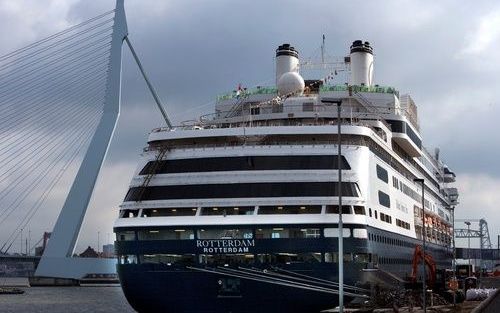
point(60, 100)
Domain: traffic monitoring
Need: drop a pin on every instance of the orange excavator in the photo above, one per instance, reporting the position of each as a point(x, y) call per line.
point(418, 255)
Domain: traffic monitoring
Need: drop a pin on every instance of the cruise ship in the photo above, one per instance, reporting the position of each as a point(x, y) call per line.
point(239, 212)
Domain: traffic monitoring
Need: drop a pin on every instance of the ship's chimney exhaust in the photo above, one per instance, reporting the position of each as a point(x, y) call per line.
point(287, 60)
point(361, 63)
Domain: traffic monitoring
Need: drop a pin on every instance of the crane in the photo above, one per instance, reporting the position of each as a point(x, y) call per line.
point(483, 233)
point(418, 256)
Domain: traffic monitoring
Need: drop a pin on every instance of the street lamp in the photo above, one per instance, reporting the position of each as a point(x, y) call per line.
point(468, 245)
point(453, 197)
point(339, 190)
point(422, 182)
point(453, 263)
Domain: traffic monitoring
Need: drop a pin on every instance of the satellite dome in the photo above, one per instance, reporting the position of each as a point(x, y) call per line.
point(291, 83)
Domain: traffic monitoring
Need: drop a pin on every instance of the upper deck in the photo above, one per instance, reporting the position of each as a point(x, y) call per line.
point(305, 112)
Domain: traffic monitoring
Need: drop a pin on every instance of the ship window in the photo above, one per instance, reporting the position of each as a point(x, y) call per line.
point(216, 210)
point(395, 182)
point(331, 257)
point(243, 190)
point(361, 257)
point(279, 232)
point(334, 257)
point(397, 126)
point(334, 209)
point(234, 233)
point(129, 213)
point(166, 234)
point(290, 209)
point(127, 259)
point(384, 199)
point(359, 210)
point(255, 111)
point(155, 212)
point(245, 163)
point(168, 259)
point(125, 235)
point(382, 174)
point(277, 108)
point(376, 214)
point(386, 218)
point(360, 233)
point(370, 211)
point(334, 232)
point(288, 258)
point(226, 259)
point(413, 136)
point(402, 224)
point(308, 106)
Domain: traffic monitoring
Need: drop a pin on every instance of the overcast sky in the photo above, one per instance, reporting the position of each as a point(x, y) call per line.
point(444, 53)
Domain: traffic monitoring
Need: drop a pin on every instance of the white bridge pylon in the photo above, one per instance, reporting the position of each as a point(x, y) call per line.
point(57, 260)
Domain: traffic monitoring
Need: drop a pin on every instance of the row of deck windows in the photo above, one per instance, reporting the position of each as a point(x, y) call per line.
point(245, 259)
point(239, 233)
point(243, 190)
point(263, 258)
point(250, 259)
point(390, 241)
point(399, 185)
point(245, 163)
point(402, 224)
point(245, 210)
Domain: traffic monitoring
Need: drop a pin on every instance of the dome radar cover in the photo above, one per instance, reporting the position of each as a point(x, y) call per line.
point(291, 83)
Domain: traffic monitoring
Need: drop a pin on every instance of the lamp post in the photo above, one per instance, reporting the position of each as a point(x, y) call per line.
point(453, 262)
point(424, 287)
point(453, 198)
point(468, 246)
point(339, 191)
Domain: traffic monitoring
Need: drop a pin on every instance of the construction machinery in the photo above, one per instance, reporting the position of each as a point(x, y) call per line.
point(419, 256)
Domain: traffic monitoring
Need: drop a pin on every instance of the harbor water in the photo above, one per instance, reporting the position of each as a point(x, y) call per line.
point(66, 300)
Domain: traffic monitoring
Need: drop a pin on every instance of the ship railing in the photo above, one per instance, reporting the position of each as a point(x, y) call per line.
point(355, 88)
point(271, 90)
point(254, 111)
point(237, 94)
point(278, 115)
point(317, 143)
point(290, 115)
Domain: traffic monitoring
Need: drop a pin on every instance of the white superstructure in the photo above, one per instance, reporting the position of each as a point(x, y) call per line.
point(226, 170)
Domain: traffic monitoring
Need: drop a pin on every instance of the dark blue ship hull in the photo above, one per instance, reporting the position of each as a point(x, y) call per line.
point(182, 291)
point(222, 287)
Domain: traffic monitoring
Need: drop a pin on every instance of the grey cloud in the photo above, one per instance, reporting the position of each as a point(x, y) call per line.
point(194, 50)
